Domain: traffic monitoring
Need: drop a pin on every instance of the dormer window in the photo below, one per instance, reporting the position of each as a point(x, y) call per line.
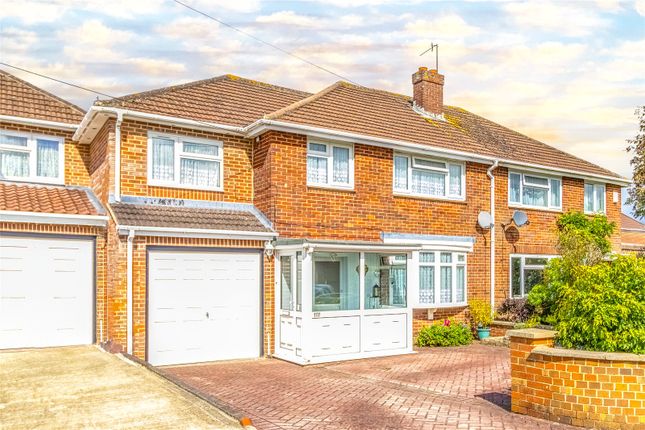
point(427, 177)
point(31, 157)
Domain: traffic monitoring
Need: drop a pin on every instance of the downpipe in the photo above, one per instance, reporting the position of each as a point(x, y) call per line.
point(490, 175)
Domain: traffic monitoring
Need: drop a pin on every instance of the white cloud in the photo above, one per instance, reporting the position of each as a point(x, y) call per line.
point(290, 18)
point(213, 6)
point(156, 67)
point(15, 40)
point(189, 28)
point(35, 11)
point(566, 18)
point(94, 41)
point(639, 5)
point(446, 27)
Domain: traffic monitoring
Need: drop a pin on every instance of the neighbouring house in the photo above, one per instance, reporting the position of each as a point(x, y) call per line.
point(632, 234)
point(247, 219)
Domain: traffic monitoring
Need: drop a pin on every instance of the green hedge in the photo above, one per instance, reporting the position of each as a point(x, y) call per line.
point(445, 335)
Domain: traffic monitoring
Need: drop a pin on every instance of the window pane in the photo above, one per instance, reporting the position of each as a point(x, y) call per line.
point(446, 284)
point(285, 283)
point(536, 261)
point(163, 159)
point(299, 281)
point(426, 257)
point(531, 278)
point(535, 196)
point(318, 147)
point(589, 197)
point(514, 188)
point(455, 179)
point(555, 193)
point(385, 281)
point(420, 162)
point(600, 198)
point(7, 139)
point(47, 158)
point(461, 258)
point(14, 164)
point(316, 170)
point(446, 257)
point(336, 281)
point(341, 165)
point(401, 173)
point(516, 276)
point(426, 284)
point(200, 148)
point(428, 183)
point(461, 284)
point(533, 180)
point(201, 173)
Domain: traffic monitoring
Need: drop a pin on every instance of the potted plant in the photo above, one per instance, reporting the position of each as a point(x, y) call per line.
point(481, 317)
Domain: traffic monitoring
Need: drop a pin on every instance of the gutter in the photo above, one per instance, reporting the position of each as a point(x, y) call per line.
point(490, 175)
point(39, 122)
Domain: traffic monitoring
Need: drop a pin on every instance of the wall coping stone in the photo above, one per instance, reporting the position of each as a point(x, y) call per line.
point(589, 355)
point(532, 333)
point(503, 323)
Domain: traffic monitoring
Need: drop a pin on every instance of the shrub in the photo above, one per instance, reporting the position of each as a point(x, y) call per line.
point(515, 310)
point(480, 313)
point(604, 308)
point(445, 335)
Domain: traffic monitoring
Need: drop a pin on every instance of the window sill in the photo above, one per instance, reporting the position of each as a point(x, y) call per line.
point(184, 187)
point(331, 188)
point(422, 197)
point(535, 208)
point(596, 213)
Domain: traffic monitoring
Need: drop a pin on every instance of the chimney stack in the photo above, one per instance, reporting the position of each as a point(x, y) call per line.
point(428, 90)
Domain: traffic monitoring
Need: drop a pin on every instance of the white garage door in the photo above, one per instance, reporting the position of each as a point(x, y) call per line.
point(46, 291)
point(203, 306)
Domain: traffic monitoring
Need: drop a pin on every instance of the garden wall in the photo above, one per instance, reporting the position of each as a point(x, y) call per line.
point(584, 388)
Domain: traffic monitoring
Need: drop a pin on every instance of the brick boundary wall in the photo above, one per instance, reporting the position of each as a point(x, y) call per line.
point(584, 388)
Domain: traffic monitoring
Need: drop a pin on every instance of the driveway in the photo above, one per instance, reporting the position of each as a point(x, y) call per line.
point(438, 388)
point(86, 388)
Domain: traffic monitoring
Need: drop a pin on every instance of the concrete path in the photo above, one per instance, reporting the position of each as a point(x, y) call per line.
point(86, 388)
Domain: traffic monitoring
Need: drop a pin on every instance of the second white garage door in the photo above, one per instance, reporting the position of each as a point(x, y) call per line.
point(203, 306)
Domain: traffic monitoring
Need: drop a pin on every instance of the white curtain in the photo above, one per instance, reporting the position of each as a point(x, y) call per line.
point(445, 285)
point(514, 187)
point(14, 164)
point(47, 158)
point(535, 196)
point(454, 171)
point(426, 284)
point(201, 173)
point(163, 159)
point(316, 170)
point(401, 173)
point(600, 198)
point(428, 183)
point(200, 148)
point(555, 192)
point(398, 277)
point(341, 165)
point(461, 284)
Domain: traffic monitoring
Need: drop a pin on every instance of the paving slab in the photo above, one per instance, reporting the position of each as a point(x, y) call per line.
point(87, 388)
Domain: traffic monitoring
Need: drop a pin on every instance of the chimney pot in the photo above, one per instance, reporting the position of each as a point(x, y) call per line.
point(427, 88)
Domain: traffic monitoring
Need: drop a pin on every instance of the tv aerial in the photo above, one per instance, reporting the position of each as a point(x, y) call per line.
point(434, 47)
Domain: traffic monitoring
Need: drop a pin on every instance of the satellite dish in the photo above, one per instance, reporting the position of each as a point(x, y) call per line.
point(484, 220)
point(520, 218)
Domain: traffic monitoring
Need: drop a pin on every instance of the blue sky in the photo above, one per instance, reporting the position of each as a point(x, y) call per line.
point(569, 73)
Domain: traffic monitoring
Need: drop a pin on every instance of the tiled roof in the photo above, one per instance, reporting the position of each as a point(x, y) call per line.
point(22, 99)
point(172, 216)
point(347, 107)
point(227, 99)
point(628, 222)
point(47, 199)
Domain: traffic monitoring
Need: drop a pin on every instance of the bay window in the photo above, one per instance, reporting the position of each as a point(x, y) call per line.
point(425, 177)
point(185, 162)
point(442, 278)
point(330, 165)
point(534, 191)
point(526, 272)
point(31, 157)
point(594, 198)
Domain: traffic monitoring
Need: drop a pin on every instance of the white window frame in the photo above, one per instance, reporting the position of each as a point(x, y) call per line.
point(31, 149)
point(548, 187)
point(329, 155)
point(437, 264)
point(179, 154)
point(595, 190)
point(413, 164)
point(523, 266)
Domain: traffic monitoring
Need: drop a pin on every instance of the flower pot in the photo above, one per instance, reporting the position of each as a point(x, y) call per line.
point(483, 333)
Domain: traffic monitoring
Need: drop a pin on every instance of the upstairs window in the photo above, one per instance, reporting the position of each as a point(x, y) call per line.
point(31, 157)
point(426, 177)
point(330, 165)
point(594, 198)
point(185, 162)
point(534, 191)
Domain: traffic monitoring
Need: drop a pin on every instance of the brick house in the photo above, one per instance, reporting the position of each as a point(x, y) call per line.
point(632, 234)
point(247, 219)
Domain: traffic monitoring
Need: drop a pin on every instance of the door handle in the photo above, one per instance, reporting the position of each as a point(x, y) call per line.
point(206, 315)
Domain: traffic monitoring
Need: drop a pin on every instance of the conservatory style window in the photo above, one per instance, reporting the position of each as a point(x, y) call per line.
point(185, 162)
point(426, 177)
point(442, 278)
point(330, 165)
point(594, 198)
point(534, 191)
point(385, 281)
point(336, 281)
point(526, 272)
point(31, 157)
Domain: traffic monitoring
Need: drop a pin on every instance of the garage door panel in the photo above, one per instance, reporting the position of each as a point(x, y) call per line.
point(213, 299)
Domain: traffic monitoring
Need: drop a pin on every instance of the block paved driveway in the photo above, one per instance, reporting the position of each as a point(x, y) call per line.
point(438, 388)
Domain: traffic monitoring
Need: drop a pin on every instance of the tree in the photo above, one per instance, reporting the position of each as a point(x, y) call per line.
point(637, 147)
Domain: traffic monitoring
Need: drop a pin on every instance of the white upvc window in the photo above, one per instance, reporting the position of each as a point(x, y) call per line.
point(442, 279)
point(534, 191)
point(427, 177)
point(330, 165)
point(32, 157)
point(185, 162)
point(595, 198)
point(527, 271)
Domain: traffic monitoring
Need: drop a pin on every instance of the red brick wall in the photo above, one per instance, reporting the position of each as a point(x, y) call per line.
point(102, 162)
point(101, 261)
point(587, 389)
